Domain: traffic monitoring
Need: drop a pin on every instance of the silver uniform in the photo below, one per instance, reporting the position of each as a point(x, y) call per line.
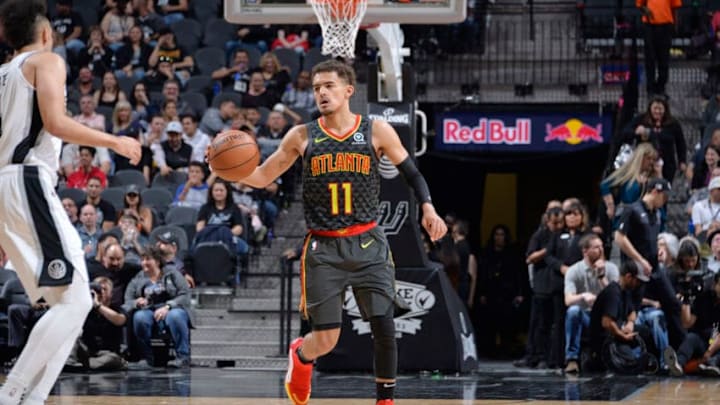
point(35, 232)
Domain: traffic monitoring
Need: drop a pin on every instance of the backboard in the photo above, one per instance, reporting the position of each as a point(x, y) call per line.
point(300, 12)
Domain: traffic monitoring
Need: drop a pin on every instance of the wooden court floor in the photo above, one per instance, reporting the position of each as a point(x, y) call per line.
point(241, 387)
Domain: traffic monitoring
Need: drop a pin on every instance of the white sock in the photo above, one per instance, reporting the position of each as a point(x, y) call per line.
point(52, 337)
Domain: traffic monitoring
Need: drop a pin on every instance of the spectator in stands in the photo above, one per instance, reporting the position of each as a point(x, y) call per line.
point(106, 211)
point(292, 37)
point(702, 317)
point(122, 122)
point(299, 97)
point(132, 58)
point(258, 95)
point(583, 282)
point(258, 36)
point(159, 74)
point(71, 209)
point(89, 230)
point(95, 264)
point(150, 22)
point(216, 120)
point(658, 127)
point(246, 198)
point(140, 103)
point(668, 246)
point(236, 77)
point(99, 346)
point(659, 25)
point(68, 23)
point(276, 77)
point(116, 24)
point(270, 135)
point(97, 55)
point(155, 135)
point(500, 292)
point(84, 85)
point(713, 262)
point(117, 270)
point(109, 93)
point(144, 166)
point(132, 240)
point(613, 313)
point(168, 245)
point(160, 298)
point(194, 192)
point(220, 214)
point(170, 111)
point(706, 213)
point(253, 117)
point(85, 171)
point(194, 137)
point(171, 92)
point(174, 153)
point(133, 202)
point(702, 172)
point(625, 185)
point(172, 10)
point(88, 116)
point(181, 61)
point(700, 194)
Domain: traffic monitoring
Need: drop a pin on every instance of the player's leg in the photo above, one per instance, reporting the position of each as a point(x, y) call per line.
point(39, 240)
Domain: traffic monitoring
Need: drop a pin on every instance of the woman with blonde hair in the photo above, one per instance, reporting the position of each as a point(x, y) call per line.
point(626, 184)
point(276, 76)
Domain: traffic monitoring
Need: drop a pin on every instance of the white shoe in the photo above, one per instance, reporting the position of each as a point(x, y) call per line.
point(671, 362)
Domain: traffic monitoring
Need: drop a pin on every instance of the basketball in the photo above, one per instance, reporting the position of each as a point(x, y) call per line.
point(233, 155)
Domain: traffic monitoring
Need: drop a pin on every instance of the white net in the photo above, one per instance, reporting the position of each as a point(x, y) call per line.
point(340, 21)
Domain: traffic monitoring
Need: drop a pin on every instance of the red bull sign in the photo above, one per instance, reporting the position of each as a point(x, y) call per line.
point(518, 132)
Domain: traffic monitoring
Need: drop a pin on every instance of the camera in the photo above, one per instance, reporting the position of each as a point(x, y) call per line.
point(95, 289)
point(693, 283)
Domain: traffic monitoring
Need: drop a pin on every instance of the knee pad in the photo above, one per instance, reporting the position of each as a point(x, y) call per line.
point(385, 346)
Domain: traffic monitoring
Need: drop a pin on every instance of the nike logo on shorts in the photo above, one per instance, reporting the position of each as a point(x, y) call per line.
point(367, 244)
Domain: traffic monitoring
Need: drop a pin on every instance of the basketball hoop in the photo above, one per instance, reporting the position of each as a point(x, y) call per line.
point(340, 21)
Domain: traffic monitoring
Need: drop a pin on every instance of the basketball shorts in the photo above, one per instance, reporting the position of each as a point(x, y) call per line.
point(331, 264)
point(42, 245)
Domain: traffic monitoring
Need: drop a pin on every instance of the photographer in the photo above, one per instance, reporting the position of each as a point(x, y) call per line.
point(701, 317)
point(99, 346)
point(160, 298)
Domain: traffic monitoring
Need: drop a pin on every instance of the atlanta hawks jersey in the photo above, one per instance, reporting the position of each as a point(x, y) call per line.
point(341, 183)
point(23, 139)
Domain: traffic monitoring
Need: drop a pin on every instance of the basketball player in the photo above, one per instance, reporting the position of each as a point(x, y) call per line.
point(42, 245)
point(344, 246)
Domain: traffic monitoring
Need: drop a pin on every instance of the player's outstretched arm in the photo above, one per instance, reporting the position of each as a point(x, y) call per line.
point(388, 143)
point(46, 71)
point(279, 161)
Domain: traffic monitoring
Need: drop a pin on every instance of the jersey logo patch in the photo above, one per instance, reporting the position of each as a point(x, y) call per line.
point(358, 138)
point(320, 140)
point(57, 269)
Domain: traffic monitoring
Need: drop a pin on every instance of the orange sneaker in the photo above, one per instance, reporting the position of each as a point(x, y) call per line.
point(298, 377)
point(385, 402)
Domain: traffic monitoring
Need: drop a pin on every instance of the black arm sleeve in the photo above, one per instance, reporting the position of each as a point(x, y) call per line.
point(415, 180)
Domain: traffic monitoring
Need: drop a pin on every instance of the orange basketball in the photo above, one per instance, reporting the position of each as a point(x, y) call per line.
point(233, 155)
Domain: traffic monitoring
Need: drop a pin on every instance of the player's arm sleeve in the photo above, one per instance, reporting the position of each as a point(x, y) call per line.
point(416, 180)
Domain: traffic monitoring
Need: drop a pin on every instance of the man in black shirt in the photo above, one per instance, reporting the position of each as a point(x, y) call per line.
point(541, 306)
point(703, 319)
point(69, 25)
point(636, 236)
point(613, 314)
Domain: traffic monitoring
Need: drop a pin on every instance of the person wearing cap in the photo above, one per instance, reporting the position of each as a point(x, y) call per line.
point(167, 242)
point(173, 153)
point(132, 201)
point(613, 313)
point(706, 213)
point(636, 236)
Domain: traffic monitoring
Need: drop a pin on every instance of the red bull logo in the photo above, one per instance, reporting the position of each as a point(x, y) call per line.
point(488, 131)
point(573, 132)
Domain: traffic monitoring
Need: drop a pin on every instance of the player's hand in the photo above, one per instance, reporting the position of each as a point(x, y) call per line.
point(433, 224)
point(130, 148)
